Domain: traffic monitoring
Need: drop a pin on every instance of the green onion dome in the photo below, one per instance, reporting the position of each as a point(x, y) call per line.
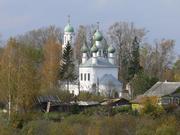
point(68, 28)
point(84, 49)
point(98, 36)
point(111, 49)
point(94, 48)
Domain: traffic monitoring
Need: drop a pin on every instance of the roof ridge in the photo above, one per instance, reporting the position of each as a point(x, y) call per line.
point(159, 84)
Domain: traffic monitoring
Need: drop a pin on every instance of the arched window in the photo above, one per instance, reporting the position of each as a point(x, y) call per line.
point(100, 53)
point(84, 77)
point(81, 76)
point(88, 76)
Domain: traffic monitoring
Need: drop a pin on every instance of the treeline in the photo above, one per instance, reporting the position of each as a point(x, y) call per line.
point(141, 64)
point(31, 64)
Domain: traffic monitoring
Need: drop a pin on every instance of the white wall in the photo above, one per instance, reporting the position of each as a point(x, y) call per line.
point(68, 36)
point(95, 74)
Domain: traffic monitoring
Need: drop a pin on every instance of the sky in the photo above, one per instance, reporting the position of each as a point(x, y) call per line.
point(161, 18)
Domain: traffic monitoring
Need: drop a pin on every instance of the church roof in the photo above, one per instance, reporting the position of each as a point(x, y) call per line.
point(101, 62)
point(162, 89)
point(68, 28)
point(109, 79)
point(98, 36)
point(111, 49)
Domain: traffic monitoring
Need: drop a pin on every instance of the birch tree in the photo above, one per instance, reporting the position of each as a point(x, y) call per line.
point(51, 64)
point(18, 77)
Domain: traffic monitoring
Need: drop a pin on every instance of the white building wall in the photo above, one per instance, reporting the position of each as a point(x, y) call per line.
point(68, 37)
point(85, 85)
point(95, 74)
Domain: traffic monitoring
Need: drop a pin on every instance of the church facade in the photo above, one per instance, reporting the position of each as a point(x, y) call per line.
point(98, 72)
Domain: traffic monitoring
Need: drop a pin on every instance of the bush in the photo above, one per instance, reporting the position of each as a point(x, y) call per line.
point(120, 109)
point(151, 107)
point(96, 111)
point(145, 125)
point(166, 130)
point(118, 125)
point(38, 127)
point(86, 96)
point(170, 108)
point(168, 126)
point(5, 129)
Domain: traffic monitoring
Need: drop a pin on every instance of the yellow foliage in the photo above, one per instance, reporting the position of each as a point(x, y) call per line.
point(177, 77)
point(51, 63)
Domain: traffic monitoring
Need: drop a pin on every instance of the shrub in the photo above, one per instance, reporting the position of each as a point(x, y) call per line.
point(120, 109)
point(38, 127)
point(151, 107)
point(86, 96)
point(5, 129)
point(167, 127)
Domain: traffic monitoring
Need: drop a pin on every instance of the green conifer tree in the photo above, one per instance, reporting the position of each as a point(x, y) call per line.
point(67, 71)
point(134, 66)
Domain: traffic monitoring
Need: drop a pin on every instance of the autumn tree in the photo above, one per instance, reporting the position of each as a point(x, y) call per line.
point(157, 60)
point(176, 70)
point(79, 40)
point(18, 76)
point(121, 35)
point(67, 71)
point(39, 37)
point(51, 64)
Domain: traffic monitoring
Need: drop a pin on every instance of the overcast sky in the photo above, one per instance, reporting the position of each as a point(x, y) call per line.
point(160, 17)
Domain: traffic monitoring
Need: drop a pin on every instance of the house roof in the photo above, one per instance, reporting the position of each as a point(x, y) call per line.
point(45, 99)
point(138, 99)
point(162, 89)
point(115, 101)
point(85, 103)
point(101, 62)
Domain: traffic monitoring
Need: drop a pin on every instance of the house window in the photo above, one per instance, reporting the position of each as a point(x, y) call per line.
point(84, 77)
point(81, 76)
point(88, 76)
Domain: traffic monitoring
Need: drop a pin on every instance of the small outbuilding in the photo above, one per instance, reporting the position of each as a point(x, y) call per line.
point(116, 102)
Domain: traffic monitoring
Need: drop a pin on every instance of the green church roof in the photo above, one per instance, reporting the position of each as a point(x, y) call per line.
point(98, 36)
point(111, 49)
point(94, 48)
point(68, 28)
point(84, 49)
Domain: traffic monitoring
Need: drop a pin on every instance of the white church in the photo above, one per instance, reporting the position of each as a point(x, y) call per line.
point(98, 72)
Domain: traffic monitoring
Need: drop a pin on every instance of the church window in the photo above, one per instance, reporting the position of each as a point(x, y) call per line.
point(100, 53)
point(84, 77)
point(88, 76)
point(81, 76)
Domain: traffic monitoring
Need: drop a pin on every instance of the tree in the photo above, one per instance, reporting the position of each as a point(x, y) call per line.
point(134, 66)
point(79, 40)
point(18, 76)
point(39, 37)
point(176, 70)
point(157, 61)
point(121, 35)
point(51, 64)
point(142, 82)
point(67, 71)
